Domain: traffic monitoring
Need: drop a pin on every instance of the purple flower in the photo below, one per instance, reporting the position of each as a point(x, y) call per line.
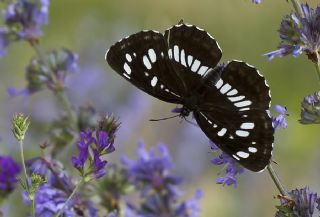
point(301, 202)
point(256, 1)
point(49, 201)
point(310, 111)
point(280, 120)
point(9, 171)
point(299, 34)
point(50, 197)
point(190, 208)
point(152, 172)
point(85, 141)
point(91, 149)
point(232, 168)
point(26, 18)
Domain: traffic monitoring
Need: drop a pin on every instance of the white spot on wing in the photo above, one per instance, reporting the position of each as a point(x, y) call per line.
point(202, 70)
point(125, 75)
point(236, 98)
point(195, 65)
point(146, 62)
point(183, 58)
point(146, 74)
point(247, 125)
point(176, 53)
point(128, 57)
point(226, 87)
point(243, 154)
point(170, 53)
point(252, 149)
point(232, 92)
point(154, 81)
point(222, 132)
point(190, 58)
point(219, 83)
point(244, 109)
point(236, 157)
point(243, 103)
point(242, 133)
point(127, 68)
point(152, 55)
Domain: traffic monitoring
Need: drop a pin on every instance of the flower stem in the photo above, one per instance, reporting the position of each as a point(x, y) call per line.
point(26, 177)
point(32, 208)
point(296, 5)
point(62, 98)
point(317, 69)
point(276, 180)
point(69, 198)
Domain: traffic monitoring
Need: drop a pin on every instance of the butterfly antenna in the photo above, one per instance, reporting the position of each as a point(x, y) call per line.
point(162, 119)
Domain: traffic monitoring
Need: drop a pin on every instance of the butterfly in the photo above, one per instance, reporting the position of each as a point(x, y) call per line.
point(229, 102)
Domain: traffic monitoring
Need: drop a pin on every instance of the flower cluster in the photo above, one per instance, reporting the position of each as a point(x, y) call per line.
point(9, 170)
point(310, 109)
point(300, 33)
point(151, 176)
point(300, 202)
point(233, 168)
point(92, 148)
point(50, 198)
point(23, 19)
point(280, 119)
point(50, 72)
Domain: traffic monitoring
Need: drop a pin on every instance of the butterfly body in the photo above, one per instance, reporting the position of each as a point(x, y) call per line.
point(230, 101)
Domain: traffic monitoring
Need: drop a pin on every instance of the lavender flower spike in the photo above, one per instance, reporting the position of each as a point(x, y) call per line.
point(310, 109)
point(232, 168)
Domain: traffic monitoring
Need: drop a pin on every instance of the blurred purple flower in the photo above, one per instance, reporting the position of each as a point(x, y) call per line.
point(9, 170)
point(152, 172)
point(50, 197)
point(49, 201)
point(256, 1)
point(26, 17)
point(232, 168)
point(299, 34)
point(190, 208)
point(280, 120)
point(301, 202)
point(62, 63)
point(310, 111)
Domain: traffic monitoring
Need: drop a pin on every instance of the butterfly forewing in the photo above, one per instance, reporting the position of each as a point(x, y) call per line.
point(142, 59)
point(193, 53)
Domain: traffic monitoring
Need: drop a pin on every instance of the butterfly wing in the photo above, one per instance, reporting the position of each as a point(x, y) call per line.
point(193, 52)
point(142, 59)
point(233, 114)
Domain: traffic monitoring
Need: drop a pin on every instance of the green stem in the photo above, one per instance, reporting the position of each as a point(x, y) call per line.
point(62, 98)
point(69, 198)
point(297, 7)
point(26, 177)
point(32, 208)
point(276, 180)
point(317, 69)
point(23, 164)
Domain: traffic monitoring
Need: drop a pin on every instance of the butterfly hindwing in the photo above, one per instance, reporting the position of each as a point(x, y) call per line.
point(193, 53)
point(142, 59)
point(233, 114)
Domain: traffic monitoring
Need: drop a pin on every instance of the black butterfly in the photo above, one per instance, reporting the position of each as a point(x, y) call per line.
point(229, 102)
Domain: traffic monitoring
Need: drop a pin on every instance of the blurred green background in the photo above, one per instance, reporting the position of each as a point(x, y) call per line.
point(244, 31)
